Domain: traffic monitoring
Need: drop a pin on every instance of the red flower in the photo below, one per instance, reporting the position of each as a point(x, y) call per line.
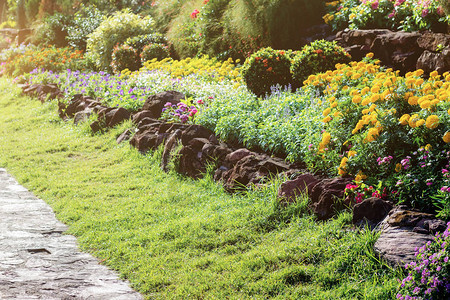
point(205, 1)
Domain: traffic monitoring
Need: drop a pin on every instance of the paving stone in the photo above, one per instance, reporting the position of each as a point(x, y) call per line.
point(38, 261)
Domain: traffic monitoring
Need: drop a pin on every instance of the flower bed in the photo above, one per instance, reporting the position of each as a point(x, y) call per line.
point(406, 15)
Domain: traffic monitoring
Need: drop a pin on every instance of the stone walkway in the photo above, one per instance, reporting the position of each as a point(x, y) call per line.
point(37, 261)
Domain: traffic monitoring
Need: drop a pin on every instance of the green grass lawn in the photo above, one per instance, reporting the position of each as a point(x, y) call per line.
point(174, 237)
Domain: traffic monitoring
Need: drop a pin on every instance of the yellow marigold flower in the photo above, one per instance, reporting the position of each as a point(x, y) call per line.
point(375, 89)
point(331, 99)
point(446, 137)
point(398, 167)
point(408, 95)
point(352, 16)
point(351, 153)
point(372, 108)
point(365, 111)
point(434, 74)
point(435, 102)
point(432, 121)
point(326, 137)
point(413, 100)
point(420, 122)
point(365, 101)
point(365, 90)
point(326, 112)
point(428, 147)
point(356, 76)
point(334, 104)
point(418, 72)
point(419, 82)
point(369, 55)
point(356, 99)
point(425, 104)
point(374, 98)
point(326, 119)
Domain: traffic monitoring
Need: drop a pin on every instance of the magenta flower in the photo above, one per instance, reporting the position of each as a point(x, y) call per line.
point(375, 5)
point(425, 12)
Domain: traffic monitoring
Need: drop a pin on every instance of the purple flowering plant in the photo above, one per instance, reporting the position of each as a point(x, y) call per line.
point(183, 112)
point(429, 274)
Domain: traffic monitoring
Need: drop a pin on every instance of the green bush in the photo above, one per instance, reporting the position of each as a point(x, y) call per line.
point(85, 21)
point(267, 68)
point(317, 57)
point(158, 51)
point(51, 31)
point(138, 42)
point(114, 30)
point(124, 57)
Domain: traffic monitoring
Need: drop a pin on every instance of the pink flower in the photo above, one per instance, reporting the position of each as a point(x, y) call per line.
point(194, 13)
point(375, 5)
point(392, 14)
point(200, 101)
point(425, 12)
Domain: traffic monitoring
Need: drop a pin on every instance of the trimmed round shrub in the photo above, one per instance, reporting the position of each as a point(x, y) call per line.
point(112, 31)
point(267, 68)
point(317, 57)
point(156, 50)
point(140, 41)
point(124, 57)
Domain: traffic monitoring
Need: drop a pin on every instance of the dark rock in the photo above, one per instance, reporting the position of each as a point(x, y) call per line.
point(326, 196)
point(170, 127)
point(272, 165)
point(194, 131)
point(116, 116)
point(430, 61)
point(95, 126)
point(42, 91)
point(198, 143)
point(155, 103)
point(243, 173)
point(435, 225)
point(221, 152)
point(237, 155)
point(433, 41)
point(401, 234)
point(291, 189)
point(125, 136)
point(371, 211)
point(145, 141)
point(82, 116)
point(171, 144)
point(401, 217)
point(144, 114)
point(191, 163)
